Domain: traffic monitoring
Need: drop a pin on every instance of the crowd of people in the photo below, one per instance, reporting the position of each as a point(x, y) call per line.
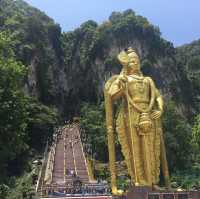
point(78, 189)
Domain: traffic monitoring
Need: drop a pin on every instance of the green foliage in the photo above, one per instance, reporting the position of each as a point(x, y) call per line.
point(189, 66)
point(102, 174)
point(4, 190)
point(122, 28)
point(88, 39)
point(127, 25)
point(178, 139)
point(25, 123)
point(187, 179)
point(13, 105)
point(69, 42)
point(24, 188)
point(90, 51)
point(146, 67)
point(41, 51)
point(193, 73)
point(36, 43)
point(41, 122)
point(196, 137)
point(123, 183)
point(93, 123)
point(112, 63)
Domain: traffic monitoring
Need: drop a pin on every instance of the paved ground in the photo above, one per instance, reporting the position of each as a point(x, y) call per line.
point(85, 197)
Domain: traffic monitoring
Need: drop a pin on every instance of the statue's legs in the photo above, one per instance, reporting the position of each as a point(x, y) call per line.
point(147, 159)
point(124, 141)
point(146, 150)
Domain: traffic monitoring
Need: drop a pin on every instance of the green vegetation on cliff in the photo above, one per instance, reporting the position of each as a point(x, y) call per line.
point(13, 105)
point(188, 58)
point(25, 124)
point(90, 52)
point(35, 41)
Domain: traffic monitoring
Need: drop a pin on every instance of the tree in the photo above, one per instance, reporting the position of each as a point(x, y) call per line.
point(13, 103)
point(93, 123)
point(41, 122)
point(178, 139)
point(196, 135)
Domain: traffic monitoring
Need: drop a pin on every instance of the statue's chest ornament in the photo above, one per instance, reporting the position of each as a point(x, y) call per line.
point(140, 86)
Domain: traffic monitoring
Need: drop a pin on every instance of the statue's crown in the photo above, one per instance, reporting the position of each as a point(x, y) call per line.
point(124, 56)
point(130, 50)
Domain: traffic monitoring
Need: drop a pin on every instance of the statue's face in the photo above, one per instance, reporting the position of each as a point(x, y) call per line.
point(134, 63)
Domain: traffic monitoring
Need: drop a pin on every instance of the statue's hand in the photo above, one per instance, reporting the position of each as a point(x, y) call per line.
point(123, 80)
point(156, 114)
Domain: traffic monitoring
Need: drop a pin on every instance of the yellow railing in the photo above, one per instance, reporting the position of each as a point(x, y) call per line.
point(42, 170)
point(50, 163)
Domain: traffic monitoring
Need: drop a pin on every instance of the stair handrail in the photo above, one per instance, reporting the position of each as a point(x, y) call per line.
point(42, 170)
point(53, 160)
point(50, 162)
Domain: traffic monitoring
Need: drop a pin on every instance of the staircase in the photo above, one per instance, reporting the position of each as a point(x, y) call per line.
point(81, 167)
point(69, 157)
point(70, 177)
point(58, 171)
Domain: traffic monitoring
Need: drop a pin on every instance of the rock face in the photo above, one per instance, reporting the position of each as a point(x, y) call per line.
point(91, 51)
point(188, 60)
point(68, 68)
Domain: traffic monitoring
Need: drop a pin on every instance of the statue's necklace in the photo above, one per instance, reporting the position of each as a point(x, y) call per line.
point(137, 77)
point(139, 84)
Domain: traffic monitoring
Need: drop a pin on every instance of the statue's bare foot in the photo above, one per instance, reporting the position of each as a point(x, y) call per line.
point(156, 188)
point(117, 192)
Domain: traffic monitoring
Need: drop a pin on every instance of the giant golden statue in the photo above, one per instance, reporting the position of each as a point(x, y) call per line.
point(137, 123)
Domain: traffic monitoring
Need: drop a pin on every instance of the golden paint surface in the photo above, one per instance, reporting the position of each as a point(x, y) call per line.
point(138, 124)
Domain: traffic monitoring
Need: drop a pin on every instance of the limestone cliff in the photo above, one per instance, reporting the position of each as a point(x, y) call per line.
point(68, 68)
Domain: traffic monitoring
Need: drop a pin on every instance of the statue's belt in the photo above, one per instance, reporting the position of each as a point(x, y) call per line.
point(140, 101)
point(136, 107)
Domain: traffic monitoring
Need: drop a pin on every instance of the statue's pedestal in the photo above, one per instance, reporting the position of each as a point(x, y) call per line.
point(147, 193)
point(138, 192)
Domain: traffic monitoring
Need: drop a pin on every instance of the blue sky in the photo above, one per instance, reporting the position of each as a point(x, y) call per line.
point(178, 20)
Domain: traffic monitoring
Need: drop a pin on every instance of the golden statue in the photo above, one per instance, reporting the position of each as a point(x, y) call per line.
point(138, 123)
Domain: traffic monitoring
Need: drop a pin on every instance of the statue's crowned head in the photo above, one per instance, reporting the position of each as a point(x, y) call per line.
point(130, 60)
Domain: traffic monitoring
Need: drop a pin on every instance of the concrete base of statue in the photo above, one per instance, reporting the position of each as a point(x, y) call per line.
point(138, 192)
point(148, 193)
